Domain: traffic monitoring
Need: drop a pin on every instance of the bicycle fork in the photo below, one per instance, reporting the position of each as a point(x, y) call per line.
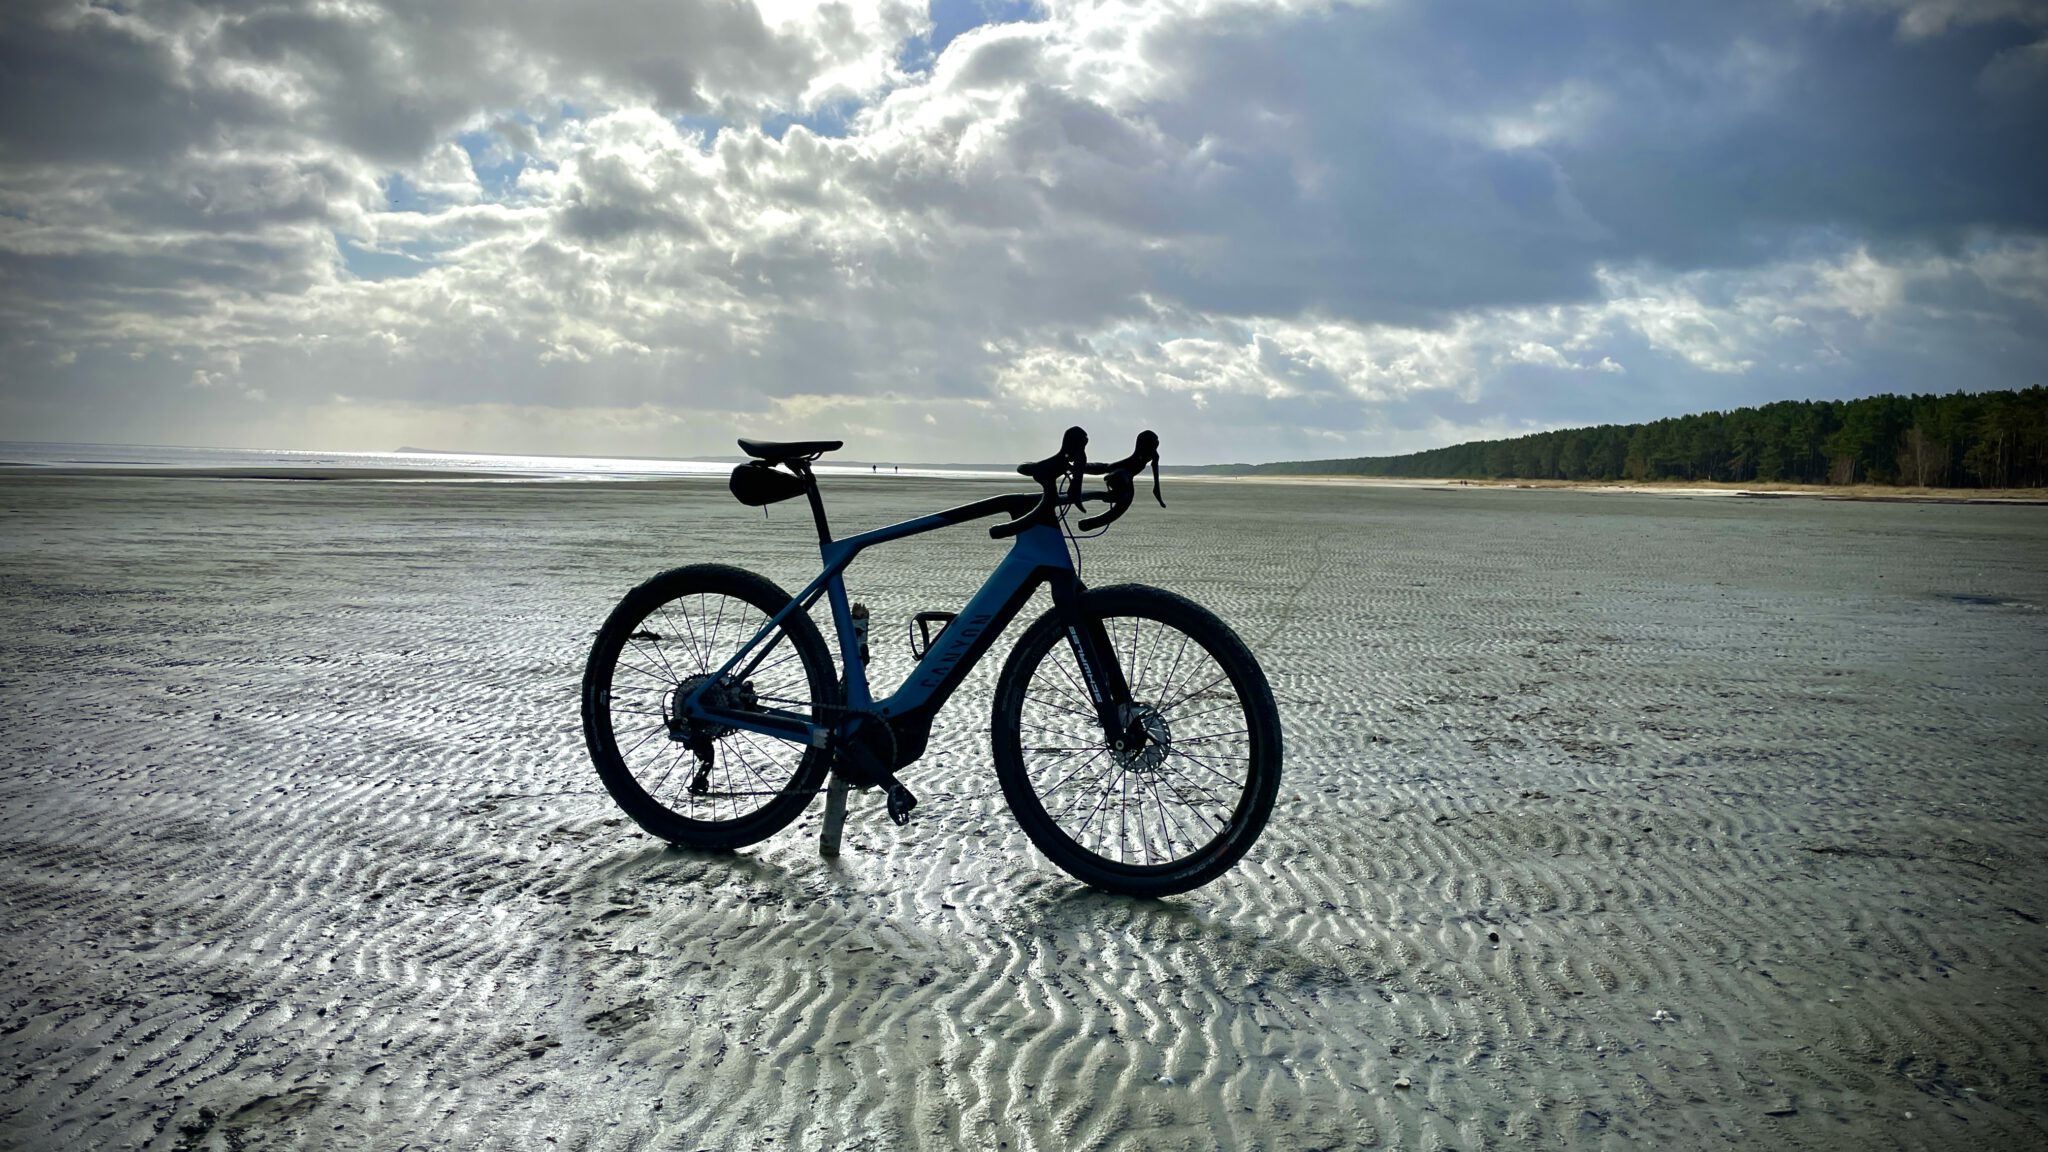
point(1122, 728)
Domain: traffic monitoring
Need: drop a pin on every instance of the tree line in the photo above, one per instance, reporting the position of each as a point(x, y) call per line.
point(1963, 440)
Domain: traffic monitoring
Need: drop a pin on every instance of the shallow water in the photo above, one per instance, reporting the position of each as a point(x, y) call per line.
point(1607, 818)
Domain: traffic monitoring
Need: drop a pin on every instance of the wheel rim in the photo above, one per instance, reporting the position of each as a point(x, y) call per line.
point(1177, 784)
point(675, 648)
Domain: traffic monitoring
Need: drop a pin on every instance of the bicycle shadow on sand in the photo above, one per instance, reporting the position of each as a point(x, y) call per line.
point(1181, 930)
point(670, 896)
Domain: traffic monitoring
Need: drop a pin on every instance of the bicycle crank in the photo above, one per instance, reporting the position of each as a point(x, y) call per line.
point(900, 804)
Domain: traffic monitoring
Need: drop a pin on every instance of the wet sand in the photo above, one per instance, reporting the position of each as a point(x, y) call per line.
point(1608, 819)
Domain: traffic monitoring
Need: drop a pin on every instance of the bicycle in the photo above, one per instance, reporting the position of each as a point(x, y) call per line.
point(1134, 735)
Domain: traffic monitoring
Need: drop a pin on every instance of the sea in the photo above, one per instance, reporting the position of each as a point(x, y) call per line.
point(467, 465)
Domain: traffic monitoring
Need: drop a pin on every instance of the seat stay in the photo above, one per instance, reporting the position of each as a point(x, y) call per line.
point(837, 554)
point(692, 705)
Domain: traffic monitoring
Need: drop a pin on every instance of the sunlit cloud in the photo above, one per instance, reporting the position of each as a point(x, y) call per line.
point(1265, 229)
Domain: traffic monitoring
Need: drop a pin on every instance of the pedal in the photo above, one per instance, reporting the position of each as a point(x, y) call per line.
point(900, 804)
point(921, 634)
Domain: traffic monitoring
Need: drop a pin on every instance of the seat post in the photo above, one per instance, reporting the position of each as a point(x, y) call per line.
point(803, 469)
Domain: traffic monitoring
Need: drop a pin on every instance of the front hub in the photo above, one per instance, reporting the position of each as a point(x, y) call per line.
point(1145, 740)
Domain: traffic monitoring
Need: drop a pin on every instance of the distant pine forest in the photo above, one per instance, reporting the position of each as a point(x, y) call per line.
point(1964, 440)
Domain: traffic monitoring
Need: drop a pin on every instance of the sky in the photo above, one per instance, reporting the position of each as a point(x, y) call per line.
point(1267, 229)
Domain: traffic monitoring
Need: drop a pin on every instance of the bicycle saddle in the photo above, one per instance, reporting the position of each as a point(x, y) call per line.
point(775, 452)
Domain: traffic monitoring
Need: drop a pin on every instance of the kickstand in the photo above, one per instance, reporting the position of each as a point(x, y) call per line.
point(835, 817)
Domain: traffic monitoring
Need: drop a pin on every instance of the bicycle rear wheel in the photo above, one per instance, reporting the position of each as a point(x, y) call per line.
point(1185, 787)
point(667, 638)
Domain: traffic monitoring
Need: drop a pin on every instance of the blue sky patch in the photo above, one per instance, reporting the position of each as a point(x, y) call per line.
point(830, 120)
point(379, 264)
point(950, 18)
point(496, 163)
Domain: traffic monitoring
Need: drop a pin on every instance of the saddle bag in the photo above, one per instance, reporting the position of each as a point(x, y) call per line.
point(755, 484)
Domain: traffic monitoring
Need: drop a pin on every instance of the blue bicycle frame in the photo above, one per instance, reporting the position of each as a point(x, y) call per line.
point(1039, 556)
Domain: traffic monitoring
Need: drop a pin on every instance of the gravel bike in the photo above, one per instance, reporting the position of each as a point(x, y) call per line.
point(1134, 735)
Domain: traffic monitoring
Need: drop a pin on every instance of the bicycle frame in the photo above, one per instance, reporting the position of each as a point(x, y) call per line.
point(1038, 556)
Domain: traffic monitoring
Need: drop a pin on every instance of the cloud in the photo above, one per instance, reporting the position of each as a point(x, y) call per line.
point(1265, 228)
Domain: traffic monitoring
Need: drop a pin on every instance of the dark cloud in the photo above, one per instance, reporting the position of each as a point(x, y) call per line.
point(383, 80)
point(94, 88)
point(1369, 166)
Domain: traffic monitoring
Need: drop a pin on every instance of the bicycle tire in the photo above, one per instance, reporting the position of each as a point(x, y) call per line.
point(1037, 691)
point(672, 602)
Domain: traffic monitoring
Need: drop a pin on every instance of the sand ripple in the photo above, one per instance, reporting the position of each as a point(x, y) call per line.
point(1606, 819)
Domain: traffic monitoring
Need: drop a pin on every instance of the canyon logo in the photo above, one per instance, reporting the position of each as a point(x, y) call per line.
point(958, 638)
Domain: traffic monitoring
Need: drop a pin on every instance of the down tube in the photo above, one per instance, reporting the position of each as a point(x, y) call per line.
point(1040, 552)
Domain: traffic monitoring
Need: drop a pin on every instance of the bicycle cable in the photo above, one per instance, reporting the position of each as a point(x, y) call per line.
point(1074, 538)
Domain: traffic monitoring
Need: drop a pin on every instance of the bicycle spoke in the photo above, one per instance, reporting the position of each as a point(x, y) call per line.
point(1166, 685)
point(1074, 773)
point(1205, 737)
point(1043, 728)
point(633, 639)
point(1220, 678)
point(681, 751)
point(717, 625)
point(1201, 788)
point(651, 730)
point(1233, 706)
point(1204, 767)
point(1161, 636)
point(1088, 716)
point(1128, 659)
point(764, 754)
point(654, 676)
point(1195, 809)
point(696, 645)
point(1165, 837)
point(1099, 805)
point(1123, 827)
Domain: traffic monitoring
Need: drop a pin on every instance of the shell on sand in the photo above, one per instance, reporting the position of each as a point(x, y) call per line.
point(1681, 822)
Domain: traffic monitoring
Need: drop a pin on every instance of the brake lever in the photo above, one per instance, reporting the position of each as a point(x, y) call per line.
point(1120, 492)
point(1069, 463)
point(1074, 447)
point(1147, 452)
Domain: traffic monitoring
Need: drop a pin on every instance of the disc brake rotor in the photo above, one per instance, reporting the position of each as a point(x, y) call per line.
point(1148, 753)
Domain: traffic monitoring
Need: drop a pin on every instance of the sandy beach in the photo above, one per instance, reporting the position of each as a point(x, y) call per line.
point(1608, 820)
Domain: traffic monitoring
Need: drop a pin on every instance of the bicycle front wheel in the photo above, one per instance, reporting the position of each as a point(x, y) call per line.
point(668, 638)
point(1183, 789)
